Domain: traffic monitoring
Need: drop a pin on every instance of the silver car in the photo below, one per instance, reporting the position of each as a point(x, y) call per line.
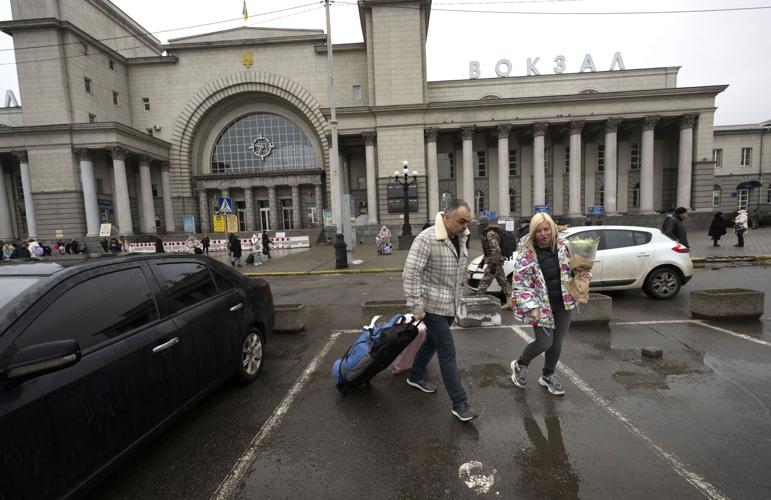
point(628, 257)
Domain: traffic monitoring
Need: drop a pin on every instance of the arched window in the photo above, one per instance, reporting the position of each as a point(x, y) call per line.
point(512, 201)
point(636, 196)
point(589, 91)
point(446, 199)
point(262, 142)
point(489, 97)
point(715, 195)
point(480, 204)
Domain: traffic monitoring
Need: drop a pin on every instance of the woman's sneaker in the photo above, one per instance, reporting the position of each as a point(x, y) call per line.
point(519, 375)
point(423, 385)
point(551, 383)
point(464, 412)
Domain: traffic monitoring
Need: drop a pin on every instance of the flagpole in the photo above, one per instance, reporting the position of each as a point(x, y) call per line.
point(341, 257)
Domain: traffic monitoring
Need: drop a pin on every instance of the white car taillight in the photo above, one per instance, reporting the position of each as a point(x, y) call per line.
point(680, 248)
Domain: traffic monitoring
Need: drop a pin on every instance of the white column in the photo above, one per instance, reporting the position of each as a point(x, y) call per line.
point(432, 172)
point(503, 170)
point(26, 184)
point(249, 199)
point(646, 165)
point(6, 223)
point(274, 208)
point(121, 201)
point(168, 206)
point(610, 180)
point(369, 153)
point(148, 204)
point(685, 162)
point(318, 192)
point(296, 210)
point(574, 178)
point(203, 210)
point(539, 170)
point(88, 183)
point(467, 133)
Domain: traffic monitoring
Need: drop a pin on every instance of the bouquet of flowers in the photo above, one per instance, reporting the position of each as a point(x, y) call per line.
point(582, 253)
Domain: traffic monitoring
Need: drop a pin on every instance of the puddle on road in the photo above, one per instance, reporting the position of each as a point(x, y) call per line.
point(488, 375)
point(662, 370)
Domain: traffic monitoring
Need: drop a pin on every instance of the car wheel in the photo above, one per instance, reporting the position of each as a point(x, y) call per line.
point(250, 356)
point(662, 283)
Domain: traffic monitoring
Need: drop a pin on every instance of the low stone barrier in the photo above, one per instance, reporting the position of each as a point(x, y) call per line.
point(727, 303)
point(384, 308)
point(288, 318)
point(598, 311)
point(479, 311)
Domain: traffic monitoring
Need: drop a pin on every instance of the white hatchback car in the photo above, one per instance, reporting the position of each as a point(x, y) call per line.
point(628, 257)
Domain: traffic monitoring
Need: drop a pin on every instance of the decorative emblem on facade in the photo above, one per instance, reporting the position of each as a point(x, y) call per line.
point(262, 147)
point(247, 59)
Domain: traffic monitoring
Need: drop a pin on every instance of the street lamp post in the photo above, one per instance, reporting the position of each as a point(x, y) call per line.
point(405, 181)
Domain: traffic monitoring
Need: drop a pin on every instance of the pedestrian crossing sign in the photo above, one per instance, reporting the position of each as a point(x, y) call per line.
point(226, 205)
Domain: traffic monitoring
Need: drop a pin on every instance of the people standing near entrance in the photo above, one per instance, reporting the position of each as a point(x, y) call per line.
point(542, 271)
point(205, 241)
point(124, 247)
point(740, 227)
point(674, 228)
point(433, 285)
point(234, 245)
point(493, 259)
point(159, 245)
point(266, 244)
point(717, 228)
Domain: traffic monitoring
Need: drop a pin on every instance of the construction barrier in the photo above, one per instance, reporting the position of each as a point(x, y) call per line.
point(221, 245)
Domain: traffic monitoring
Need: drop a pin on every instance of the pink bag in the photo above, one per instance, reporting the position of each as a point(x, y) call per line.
point(403, 361)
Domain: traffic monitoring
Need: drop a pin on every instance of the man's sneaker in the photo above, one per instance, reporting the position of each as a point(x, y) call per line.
point(464, 412)
point(551, 383)
point(519, 375)
point(422, 385)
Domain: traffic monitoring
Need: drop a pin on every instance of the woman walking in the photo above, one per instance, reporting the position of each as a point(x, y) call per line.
point(542, 270)
point(740, 227)
point(717, 228)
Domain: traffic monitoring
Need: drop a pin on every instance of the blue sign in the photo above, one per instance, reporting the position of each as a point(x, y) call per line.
point(597, 210)
point(490, 214)
point(104, 203)
point(188, 223)
point(543, 209)
point(226, 205)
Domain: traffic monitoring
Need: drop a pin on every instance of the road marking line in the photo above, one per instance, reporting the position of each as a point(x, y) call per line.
point(697, 481)
point(236, 475)
point(735, 334)
point(661, 322)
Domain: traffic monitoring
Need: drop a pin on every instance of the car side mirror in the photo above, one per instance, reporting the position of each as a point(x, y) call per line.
point(36, 360)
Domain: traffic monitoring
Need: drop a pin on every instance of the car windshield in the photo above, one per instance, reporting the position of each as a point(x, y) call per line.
point(12, 286)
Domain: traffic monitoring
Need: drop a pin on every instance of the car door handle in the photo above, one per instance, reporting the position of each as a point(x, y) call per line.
point(166, 345)
point(643, 255)
point(237, 307)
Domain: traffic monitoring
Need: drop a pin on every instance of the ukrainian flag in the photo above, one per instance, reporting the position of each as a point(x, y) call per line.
point(245, 13)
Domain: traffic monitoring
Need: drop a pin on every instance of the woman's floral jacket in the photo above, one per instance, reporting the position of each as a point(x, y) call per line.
point(529, 287)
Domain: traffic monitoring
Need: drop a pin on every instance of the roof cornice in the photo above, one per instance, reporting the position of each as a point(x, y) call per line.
point(242, 43)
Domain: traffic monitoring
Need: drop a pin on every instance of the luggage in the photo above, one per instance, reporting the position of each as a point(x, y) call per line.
point(387, 249)
point(403, 361)
point(375, 349)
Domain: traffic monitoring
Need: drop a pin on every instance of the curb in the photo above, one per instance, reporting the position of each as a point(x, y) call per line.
point(324, 272)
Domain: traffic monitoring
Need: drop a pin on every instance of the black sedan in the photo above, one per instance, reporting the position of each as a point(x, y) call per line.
point(97, 358)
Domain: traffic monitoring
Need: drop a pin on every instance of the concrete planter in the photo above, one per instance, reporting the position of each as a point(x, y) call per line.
point(289, 318)
point(479, 311)
point(727, 303)
point(598, 311)
point(384, 308)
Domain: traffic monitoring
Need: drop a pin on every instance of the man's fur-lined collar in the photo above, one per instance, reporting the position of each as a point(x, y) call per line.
point(440, 232)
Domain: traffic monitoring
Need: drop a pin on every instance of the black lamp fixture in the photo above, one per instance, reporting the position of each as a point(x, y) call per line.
point(405, 181)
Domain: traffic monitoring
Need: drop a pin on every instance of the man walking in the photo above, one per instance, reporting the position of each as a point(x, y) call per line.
point(433, 284)
point(674, 228)
point(493, 259)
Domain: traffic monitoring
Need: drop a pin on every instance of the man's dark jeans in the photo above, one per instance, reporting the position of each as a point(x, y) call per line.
point(439, 340)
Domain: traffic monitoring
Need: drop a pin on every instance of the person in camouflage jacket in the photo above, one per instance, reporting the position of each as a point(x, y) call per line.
point(493, 259)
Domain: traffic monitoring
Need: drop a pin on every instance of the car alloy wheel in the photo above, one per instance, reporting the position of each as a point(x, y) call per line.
point(251, 356)
point(663, 284)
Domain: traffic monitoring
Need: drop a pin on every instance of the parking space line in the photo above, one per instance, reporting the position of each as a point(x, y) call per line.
point(236, 475)
point(706, 488)
point(696, 322)
point(735, 334)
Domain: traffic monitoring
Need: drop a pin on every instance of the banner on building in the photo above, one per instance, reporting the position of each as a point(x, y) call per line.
point(218, 223)
point(104, 230)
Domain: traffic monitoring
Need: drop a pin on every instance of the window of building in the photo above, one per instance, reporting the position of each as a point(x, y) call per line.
point(115, 98)
point(287, 213)
point(357, 92)
point(91, 118)
point(480, 164)
point(601, 159)
point(312, 216)
point(188, 283)
point(146, 103)
point(89, 85)
point(83, 48)
point(717, 157)
point(149, 131)
point(99, 186)
point(715, 195)
point(445, 163)
point(446, 199)
point(768, 194)
point(746, 157)
point(567, 159)
point(601, 196)
point(635, 163)
point(636, 196)
point(480, 202)
point(155, 190)
point(262, 142)
point(513, 163)
point(112, 64)
point(512, 201)
point(743, 198)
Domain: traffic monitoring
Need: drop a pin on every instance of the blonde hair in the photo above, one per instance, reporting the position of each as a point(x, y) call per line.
point(536, 221)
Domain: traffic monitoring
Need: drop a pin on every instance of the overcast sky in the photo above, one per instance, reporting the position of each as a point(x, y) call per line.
point(711, 48)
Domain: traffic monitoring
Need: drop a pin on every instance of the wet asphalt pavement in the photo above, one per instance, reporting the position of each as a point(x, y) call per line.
point(695, 423)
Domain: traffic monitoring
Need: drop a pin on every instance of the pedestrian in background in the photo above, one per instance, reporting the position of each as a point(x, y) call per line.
point(717, 228)
point(124, 247)
point(493, 259)
point(159, 245)
point(433, 285)
point(740, 227)
point(266, 244)
point(674, 228)
point(234, 246)
point(524, 227)
point(205, 241)
point(541, 299)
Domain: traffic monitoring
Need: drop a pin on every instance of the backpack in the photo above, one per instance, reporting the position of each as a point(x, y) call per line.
point(508, 244)
point(376, 347)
